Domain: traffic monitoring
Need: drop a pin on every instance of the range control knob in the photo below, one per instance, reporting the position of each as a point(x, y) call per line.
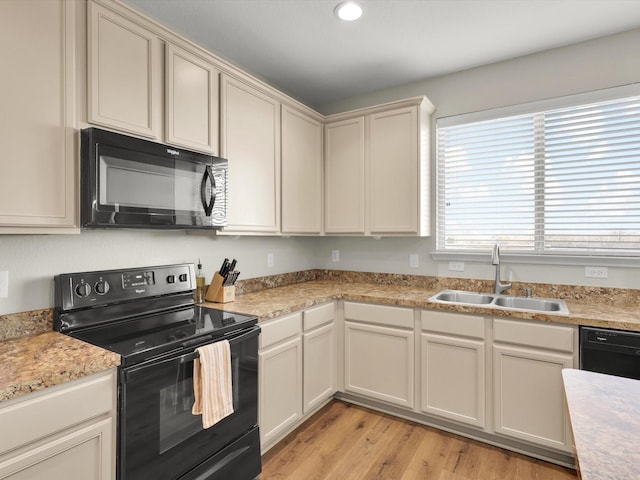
point(184, 334)
point(171, 338)
point(171, 279)
point(101, 287)
point(83, 290)
point(183, 277)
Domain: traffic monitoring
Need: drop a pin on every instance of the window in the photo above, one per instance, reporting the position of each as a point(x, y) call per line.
point(552, 181)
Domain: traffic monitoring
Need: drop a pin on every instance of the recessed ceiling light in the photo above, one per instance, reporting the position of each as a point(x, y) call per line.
point(348, 11)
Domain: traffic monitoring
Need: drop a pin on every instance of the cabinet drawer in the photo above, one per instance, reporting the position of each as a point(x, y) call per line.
point(381, 315)
point(320, 315)
point(280, 329)
point(453, 324)
point(55, 409)
point(543, 335)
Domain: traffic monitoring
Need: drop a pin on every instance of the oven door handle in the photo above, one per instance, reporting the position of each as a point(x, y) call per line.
point(188, 357)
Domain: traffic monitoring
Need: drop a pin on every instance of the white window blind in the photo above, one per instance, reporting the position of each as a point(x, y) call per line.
point(562, 181)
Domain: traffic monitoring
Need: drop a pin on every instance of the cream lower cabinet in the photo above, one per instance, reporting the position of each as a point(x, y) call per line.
point(319, 356)
point(38, 169)
point(379, 352)
point(64, 432)
point(280, 373)
point(452, 355)
point(529, 402)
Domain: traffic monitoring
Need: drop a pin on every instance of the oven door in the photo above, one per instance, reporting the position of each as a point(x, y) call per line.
point(159, 437)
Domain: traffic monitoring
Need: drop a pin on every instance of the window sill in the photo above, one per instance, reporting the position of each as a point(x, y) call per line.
point(622, 262)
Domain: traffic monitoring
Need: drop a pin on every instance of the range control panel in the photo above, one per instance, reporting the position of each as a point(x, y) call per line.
point(88, 289)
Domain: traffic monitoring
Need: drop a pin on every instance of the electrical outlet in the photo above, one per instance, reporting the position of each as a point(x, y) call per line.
point(269, 259)
point(4, 284)
point(414, 260)
point(335, 255)
point(456, 266)
point(596, 272)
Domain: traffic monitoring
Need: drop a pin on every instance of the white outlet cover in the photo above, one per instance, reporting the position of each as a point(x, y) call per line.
point(335, 255)
point(414, 260)
point(269, 259)
point(4, 284)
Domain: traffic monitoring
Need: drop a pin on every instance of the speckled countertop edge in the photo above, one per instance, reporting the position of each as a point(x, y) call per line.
point(274, 302)
point(34, 362)
point(604, 412)
point(25, 336)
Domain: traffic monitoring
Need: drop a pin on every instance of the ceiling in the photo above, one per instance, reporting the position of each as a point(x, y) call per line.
point(301, 48)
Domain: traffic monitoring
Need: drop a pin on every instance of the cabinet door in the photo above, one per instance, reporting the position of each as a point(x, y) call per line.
point(319, 366)
point(192, 107)
point(37, 172)
point(280, 388)
point(379, 362)
point(84, 454)
point(529, 401)
point(345, 177)
point(124, 74)
point(250, 140)
point(453, 378)
point(301, 173)
point(394, 174)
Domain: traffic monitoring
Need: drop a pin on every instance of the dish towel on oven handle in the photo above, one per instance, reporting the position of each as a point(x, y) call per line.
point(212, 384)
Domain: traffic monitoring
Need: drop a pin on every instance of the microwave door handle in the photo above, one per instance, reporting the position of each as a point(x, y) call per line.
point(208, 205)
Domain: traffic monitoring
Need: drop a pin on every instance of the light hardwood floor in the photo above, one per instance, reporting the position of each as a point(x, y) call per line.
point(348, 442)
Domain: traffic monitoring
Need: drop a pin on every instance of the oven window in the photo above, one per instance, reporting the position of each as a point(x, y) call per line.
point(177, 423)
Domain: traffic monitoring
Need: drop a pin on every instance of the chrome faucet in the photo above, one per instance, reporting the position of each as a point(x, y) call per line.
point(495, 260)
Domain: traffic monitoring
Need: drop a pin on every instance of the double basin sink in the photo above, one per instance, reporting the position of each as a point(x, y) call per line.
point(506, 302)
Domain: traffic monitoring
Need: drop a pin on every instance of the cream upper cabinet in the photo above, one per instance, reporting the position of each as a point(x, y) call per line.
point(344, 177)
point(124, 74)
point(529, 403)
point(38, 172)
point(377, 170)
point(250, 140)
point(301, 173)
point(398, 173)
point(192, 86)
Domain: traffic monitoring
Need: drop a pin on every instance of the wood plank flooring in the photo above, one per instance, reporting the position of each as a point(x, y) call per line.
point(348, 442)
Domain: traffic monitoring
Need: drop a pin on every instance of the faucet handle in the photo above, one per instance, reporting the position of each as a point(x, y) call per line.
point(495, 254)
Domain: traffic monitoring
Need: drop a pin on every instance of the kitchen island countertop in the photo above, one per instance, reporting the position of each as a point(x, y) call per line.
point(605, 419)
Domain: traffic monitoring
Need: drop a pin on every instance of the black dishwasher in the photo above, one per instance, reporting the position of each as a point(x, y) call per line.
point(614, 352)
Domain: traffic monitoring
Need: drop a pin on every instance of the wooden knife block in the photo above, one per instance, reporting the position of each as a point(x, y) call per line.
point(218, 292)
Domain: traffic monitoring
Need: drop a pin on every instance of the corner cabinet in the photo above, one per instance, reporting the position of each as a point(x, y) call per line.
point(377, 170)
point(250, 140)
point(368, 331)
point(529, 403)
point(125, 74)
point(65, 432)
point(38, 171)
point(301, 172)
point(453, 367)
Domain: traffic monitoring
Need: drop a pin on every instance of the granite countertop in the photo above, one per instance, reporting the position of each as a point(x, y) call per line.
point(605, 419)
point(274, 302)
point(34, 357)
point(37, 361)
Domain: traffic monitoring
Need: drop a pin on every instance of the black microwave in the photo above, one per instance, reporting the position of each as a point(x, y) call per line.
point(128, 182)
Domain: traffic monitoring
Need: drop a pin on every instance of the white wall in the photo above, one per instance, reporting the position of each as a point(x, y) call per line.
point(32, 261)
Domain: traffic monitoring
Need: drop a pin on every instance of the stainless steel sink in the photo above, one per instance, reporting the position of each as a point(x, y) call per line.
point(537, 304)
point(505, 302)
point(457, 296)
